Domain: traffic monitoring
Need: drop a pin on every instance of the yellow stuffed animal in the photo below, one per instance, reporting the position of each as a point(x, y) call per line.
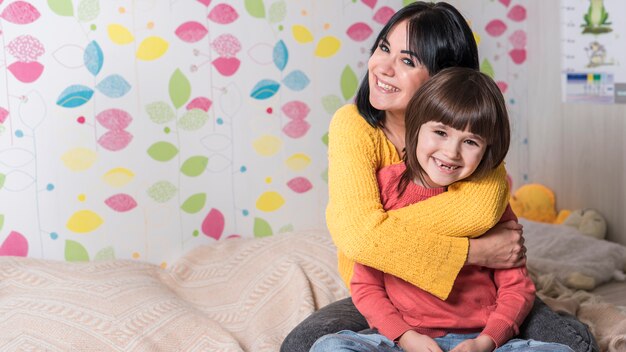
point(534, 202)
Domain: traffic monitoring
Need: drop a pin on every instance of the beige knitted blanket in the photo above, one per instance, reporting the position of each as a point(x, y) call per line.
point(234, 295)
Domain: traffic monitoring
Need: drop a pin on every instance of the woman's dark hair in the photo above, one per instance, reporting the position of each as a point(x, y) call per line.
point(464, 99)
point(437, 33)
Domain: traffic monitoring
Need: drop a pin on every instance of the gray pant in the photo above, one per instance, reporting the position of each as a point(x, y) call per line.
point(542, 324)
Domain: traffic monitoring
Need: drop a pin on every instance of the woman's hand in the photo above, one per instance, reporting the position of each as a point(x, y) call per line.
point(502, 247)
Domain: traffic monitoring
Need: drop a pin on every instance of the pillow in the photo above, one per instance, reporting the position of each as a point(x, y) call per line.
point(578, 261)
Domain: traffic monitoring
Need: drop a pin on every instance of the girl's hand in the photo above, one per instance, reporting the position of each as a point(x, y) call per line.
point(412, 341)
point(482, 343)
point(502, 247)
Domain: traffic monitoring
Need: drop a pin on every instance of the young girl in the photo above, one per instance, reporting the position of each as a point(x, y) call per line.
point(457, 128)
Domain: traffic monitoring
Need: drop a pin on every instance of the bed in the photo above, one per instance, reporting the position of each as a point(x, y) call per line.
point(234, 295)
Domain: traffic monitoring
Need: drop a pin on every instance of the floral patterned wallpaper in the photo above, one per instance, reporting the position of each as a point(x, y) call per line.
point(141, 129)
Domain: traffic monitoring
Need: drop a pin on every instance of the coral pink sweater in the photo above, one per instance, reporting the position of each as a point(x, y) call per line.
point(493, 302)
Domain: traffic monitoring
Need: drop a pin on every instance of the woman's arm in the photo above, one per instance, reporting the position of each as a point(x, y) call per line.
point(425, 243)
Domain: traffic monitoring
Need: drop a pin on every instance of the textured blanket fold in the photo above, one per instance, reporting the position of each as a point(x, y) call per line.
point(234, 295)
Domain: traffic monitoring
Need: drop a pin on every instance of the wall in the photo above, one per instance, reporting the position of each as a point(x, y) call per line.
point(141, 129)
point(577, 150)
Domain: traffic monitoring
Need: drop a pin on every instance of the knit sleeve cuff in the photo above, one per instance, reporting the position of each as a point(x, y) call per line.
point(499, 331)
point(393, 328)
point(448, 268)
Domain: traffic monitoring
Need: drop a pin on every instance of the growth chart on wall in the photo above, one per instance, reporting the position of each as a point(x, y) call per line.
point(593, 50)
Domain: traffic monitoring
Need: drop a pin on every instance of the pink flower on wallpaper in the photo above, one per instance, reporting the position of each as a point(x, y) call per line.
point(14, 245)
point(115, 140)
point(3, 114)
point(383, 14)
point(205, 2)
point(26, 72)
point(359, 31)
point(26, 48)
point(114, 119)
point(296, 110)
point(223, 14)
point(299, 184)
point(20, 12)
point(121, 202)
point(227, 66)
point(191, 32)
point(518, 39)
point(495, 28)
point(370, 3)
point(296, 128)
point(226, 45)
point(517, 13)
point(505, 2)
point(201, 103)
point(213, 224)
point(518, 55)
point(503, 86)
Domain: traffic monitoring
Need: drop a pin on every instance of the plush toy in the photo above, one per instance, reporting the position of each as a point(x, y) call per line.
point(588, 221)
point(537, 203)
point(534, 202)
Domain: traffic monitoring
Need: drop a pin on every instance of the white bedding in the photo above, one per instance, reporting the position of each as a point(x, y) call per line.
point(578, 261)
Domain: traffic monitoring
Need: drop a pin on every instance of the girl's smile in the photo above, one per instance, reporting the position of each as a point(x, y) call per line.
point(446, 154)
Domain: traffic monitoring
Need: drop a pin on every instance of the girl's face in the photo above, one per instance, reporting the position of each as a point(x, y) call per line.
point(394, 73)
point(446, 154)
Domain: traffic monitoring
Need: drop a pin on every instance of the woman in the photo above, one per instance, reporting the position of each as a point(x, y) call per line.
point(365, 140)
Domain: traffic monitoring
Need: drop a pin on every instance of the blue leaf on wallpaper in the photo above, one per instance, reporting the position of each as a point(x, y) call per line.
point(113, 86)
point(74, 96)
point(93, 58)
point(296, 80)
point(281, 55)
point(265, 89)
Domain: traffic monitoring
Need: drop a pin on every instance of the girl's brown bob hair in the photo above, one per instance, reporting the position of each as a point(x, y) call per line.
point(464, 99)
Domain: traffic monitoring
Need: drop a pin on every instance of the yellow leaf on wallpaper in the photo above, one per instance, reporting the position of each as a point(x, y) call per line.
point(79, 159)
point(270, 201)
point(327, 46)
point(118, 177)
point(476, 38)
point(267, 145)
point(84, 221)
point(301, 34)
point(120, 34)
point(152, 48)
point(298, 161)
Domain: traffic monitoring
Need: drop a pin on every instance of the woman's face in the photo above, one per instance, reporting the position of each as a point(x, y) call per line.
point(394, 73)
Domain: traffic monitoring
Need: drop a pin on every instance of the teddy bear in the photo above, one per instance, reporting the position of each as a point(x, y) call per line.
point(588, 221)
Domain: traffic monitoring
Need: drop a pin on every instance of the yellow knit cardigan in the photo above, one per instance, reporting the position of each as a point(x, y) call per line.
point(425, 243)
